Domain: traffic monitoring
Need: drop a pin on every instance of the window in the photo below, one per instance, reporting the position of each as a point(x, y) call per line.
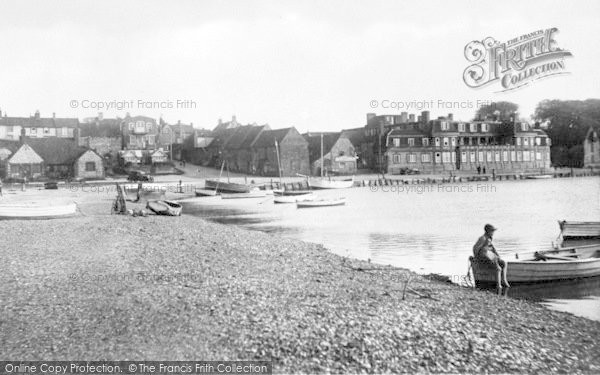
point(33, 130)
point(525, 156)
point(484, 127)
point(437, 157)
point(518, 141)
point(396, 142)
point(519, 155)
point(342, 165)
point(411, 141)
point(489, 156)
point(425, 141)
point(437, 142)
point(532, 155)
point(538, 141)
point(412, 158)
point(445, 141)
point(538, 156)
point(461, 127)
point(525, 141)
point(9, 129)
point(473, 127)
point(463, 157)
point(472, 157)
point(524, 127)
point(445, 157)
point(396, 158)
point(497, 156)
point(90, 166)
point(151, 139)
point(46, 131)
point(480, 156)
point(445, 125)
point(453, 157)
point(504, 155)
point(513, 156)
point(426, 158)
point(453, 141)
point(131, 125)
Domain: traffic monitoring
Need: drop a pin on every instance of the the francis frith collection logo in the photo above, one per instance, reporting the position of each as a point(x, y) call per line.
point(514, 63)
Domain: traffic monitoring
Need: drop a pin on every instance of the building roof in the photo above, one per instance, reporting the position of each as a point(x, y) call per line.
point(244, 136)
point(408, 132)
point(40, 122)
point(10, 145)
point(314, 143)
point(268, 137)
point(106, 127)
point(356, 135)
point(56, 150)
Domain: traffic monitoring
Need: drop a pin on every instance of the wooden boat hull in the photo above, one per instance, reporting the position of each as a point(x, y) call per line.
point(167, 208)
point(205, 193)
point(321, 203)
point(227, 187)
point(294, 198)
point(532, 271)
point(36, 211)
point(250, 195)
point(291, 192)
point(317, 183)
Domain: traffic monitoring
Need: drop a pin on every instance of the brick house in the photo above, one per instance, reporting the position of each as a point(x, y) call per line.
point(338, 154)
point(293, 153)
point(54, 158)
point(141, 135)
point(445, 145)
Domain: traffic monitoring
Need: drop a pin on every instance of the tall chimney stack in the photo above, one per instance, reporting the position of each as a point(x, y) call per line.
point(411, 117)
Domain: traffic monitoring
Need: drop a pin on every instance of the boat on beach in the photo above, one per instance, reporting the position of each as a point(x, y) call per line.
point(227, 187)
point(539, 177)
point(321, 203)
point(250, 194)
point(309, 196)
point(543, 266)
point(329, 183)
point(205, 193)
point(36, 211)
point(164, 207)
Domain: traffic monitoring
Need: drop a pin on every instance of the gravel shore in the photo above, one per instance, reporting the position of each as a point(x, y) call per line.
point(107, 287)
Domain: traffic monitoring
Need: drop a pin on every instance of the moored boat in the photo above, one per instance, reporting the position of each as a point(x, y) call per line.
point(227, 187)
point(328, 183)
point(250, 194)
point(205, 193)
point(542, 266)
point(539, 177)
point(164, 207)
point(33, 211)
point(294, 198)
point(322, 203)
point(579, 233)
point(283, 192)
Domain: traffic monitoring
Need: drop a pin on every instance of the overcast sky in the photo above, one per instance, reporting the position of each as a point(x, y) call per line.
point(315, 65)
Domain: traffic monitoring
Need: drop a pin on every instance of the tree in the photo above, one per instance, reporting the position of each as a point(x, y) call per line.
point(568, 122)
point(502, 111)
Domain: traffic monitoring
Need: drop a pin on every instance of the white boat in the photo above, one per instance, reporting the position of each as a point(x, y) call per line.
point(37, 211)
point(291, 192)
point(251, 194)
point(328, 183)
point(539, 177)
point(579, 233)
point(322, 203)
point(205, 193)
point(294, 198)
point(542, 266)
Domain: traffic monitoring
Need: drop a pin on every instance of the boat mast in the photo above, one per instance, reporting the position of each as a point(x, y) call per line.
point(321, 154)
point(278, 163)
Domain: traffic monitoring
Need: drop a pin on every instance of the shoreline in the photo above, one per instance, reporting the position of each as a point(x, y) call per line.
point(179, 288)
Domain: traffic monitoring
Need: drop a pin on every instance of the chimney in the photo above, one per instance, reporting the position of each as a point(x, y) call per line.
point(419, 118)
point(53, 114)
point(424, 116)
point(178, 122)
point(404, 117)
point(411, 117)
point(370, 116)
point(0, 113)
point(450, 117)
point(100, 116)
point(127, 115)
point(233, 120)
point(37, 114)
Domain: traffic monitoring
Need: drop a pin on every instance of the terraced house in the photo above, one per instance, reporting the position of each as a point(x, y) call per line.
point(446, 145)
point(12, 128)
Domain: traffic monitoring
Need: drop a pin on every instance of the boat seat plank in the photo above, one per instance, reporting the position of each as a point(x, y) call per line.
point(555, 257)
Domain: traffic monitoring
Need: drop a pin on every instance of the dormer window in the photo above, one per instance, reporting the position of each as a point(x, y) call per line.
point(524, 127)
point(461, 127)
point(411, 141)
point(473, 127)
point(484, 127)
point(425, 141)
point(445, 125)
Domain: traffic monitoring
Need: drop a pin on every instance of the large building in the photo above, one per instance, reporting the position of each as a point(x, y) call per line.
point(330, 154)
point(443, 145)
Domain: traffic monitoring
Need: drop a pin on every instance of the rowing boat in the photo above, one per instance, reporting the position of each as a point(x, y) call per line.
point(294, 198)
point(574, 233)
point(163, 207)
point(227, 187)
point(250, 194)
point(36, 211)
point(322, 203)
point(325, 183)
point(205, 193)
point(541, 266)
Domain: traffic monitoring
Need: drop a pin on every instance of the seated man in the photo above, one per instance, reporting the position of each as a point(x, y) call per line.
point(485, 253)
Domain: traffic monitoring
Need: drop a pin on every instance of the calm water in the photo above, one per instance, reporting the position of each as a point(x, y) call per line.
point(431, 229)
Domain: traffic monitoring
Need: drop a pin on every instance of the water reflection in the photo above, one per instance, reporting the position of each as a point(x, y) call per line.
point(429, 232)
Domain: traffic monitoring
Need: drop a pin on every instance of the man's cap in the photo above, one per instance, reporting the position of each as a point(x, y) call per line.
point(489, 228)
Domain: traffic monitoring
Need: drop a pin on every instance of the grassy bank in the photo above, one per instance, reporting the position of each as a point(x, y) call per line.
point(158, 288)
